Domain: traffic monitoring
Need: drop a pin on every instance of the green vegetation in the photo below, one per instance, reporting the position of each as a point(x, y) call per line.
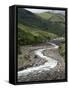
point(54, 23)
point(62, 50)
point(38, 28)
point(34, 29)
point(52, 17)
point(28, 35)
point(45, 15)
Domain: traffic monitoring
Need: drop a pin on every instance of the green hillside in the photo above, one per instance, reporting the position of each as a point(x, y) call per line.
point(57, 18)
point(62, 50)
point(45, 15)
point(57, 22)
point(29, 35)
point(54, 17)
point(30, 19)
point(35, 29)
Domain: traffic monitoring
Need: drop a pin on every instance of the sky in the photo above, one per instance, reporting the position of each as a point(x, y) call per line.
point(42, 10)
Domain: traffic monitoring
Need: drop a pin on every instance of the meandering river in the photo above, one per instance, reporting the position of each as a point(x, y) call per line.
point(34, 73)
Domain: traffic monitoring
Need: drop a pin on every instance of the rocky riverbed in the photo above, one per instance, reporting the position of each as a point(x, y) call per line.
point(36, 69)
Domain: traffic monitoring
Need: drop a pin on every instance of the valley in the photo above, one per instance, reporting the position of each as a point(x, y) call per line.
point(41, 46)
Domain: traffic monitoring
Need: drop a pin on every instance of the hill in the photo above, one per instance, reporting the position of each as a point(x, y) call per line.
point(33, 28)
point(30, 35)
point(45, 15)
point(54, 17)
point(30, 19)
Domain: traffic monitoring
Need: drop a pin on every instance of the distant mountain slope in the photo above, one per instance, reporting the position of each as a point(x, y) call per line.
point(57, 18)
point(45, 15)
point(52, 16)
point(30, 19)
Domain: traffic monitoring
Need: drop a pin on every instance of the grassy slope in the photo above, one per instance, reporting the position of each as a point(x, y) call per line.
point(57, 21)
point(37, 21)
point(45, 15)
point(33, 29)
point(52, 16)
point(29, 35)
point(62, 50)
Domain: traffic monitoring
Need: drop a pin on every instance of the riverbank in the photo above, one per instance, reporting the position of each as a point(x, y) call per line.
point(27, 58)
point(37, 70)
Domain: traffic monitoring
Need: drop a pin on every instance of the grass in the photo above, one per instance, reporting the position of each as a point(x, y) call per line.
point(29, 35)
point(52, 17)
point(45, 15)
point(47, 21)
point(62, 50)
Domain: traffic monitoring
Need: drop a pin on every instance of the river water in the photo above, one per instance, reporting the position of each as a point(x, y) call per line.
point(27, 74)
